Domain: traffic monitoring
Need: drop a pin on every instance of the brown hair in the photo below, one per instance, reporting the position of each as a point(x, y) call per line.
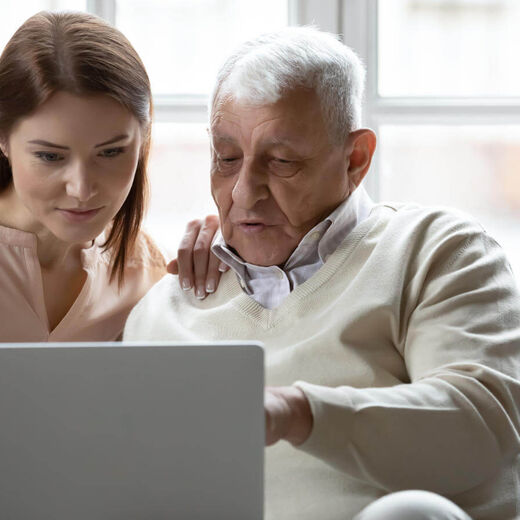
point(81, 54)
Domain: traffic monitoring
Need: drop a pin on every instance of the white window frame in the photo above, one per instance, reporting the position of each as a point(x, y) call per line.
point(359, 25)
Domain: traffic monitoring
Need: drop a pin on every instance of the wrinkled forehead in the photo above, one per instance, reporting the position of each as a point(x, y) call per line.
point(295, 117)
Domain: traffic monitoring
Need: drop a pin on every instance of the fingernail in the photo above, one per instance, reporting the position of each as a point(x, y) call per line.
point(200, 293)
point(210, 286)
point(222, 268)
point(186, 285)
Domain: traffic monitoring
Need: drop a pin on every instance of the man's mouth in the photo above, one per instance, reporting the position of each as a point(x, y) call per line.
point(253, 226)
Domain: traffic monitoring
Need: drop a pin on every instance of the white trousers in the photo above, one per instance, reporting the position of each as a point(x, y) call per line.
point(412, 505)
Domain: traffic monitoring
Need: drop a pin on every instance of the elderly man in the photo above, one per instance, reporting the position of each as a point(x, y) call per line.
point(391, 332)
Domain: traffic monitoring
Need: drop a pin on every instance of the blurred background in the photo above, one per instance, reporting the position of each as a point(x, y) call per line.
point(443, 95)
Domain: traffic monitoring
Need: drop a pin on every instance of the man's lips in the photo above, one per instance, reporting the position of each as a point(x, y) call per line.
point(252, 226)
point(256, 227)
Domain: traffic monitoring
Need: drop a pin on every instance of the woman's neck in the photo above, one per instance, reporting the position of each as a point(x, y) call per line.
point(53, 253)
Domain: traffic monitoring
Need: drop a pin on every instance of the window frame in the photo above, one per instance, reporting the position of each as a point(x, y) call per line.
point(359, 25)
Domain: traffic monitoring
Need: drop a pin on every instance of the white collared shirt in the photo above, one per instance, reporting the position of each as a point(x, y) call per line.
point(269, 286)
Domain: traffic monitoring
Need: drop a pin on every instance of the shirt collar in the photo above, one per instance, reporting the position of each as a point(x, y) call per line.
point(343, 220)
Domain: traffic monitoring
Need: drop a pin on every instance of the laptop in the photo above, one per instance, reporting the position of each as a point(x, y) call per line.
point(148, 431)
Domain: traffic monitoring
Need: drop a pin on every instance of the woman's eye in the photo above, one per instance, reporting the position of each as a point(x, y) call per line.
point(282, 161)
point(112, 152)
point(49, 156)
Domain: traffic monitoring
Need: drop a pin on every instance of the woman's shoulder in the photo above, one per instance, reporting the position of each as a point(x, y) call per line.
point(146, 252)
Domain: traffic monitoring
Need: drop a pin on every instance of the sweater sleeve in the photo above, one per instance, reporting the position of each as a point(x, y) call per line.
point(457, 422)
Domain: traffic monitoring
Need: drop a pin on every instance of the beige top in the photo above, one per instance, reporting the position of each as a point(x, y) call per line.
point(99, 312)
point(407, 344)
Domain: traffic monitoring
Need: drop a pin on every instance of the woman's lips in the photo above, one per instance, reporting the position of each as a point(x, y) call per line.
point(76, 215)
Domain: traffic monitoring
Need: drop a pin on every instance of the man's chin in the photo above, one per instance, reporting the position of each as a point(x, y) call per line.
point(262, 255)
point(270, 247)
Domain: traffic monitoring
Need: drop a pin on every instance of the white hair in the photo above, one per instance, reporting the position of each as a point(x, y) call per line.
point(262, 70)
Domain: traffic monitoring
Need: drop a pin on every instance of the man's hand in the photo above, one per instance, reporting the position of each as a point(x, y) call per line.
point(288, 415)
point(196, 265)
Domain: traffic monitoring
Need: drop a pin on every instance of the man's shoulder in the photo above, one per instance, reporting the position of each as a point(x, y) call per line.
point(167, 296)
point(429, 220)
point(151, 311)
point(161, 293)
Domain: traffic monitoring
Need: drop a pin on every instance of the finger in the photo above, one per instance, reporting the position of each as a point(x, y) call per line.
point(185, 254)
point(212, 223)
point(213, 276)
point(173, 267)
point(223, 268)
point(202, 253)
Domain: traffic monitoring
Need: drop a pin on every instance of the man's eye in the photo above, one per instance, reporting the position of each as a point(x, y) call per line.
point(283, 167)
point(111, 152)
point(227, 162)
point(279, 160)
point(49, 156)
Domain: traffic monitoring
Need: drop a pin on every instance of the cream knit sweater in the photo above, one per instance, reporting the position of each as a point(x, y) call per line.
point(407, 344)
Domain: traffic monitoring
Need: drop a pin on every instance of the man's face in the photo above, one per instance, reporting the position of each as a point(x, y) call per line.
point(274, 174)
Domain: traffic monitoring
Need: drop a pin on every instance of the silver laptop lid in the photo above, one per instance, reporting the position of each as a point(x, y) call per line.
point(131, 431)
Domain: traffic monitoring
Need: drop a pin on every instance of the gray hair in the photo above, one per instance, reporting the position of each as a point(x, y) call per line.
point(262, 70)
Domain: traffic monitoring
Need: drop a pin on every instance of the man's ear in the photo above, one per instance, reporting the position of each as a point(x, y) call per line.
point(361, 145)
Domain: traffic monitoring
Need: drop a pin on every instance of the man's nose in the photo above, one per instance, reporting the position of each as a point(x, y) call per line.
point(79, 182)
point(251, 185)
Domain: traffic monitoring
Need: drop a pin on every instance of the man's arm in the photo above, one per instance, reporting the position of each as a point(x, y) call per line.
point(457, 422)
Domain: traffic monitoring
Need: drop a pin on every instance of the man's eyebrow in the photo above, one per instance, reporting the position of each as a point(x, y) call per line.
point(284, 141)
point(274, 141)
point(47, 143)
point(222, 138)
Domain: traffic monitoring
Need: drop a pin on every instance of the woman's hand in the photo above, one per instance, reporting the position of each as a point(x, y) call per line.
point(196, 265)
point(288, 415)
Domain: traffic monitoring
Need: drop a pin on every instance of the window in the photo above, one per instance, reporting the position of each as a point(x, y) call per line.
point(455, 48)
point(183, 42)
point(443, 95)
point(14, 13)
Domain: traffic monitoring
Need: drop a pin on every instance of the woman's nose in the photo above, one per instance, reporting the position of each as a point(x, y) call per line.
point(80, 183)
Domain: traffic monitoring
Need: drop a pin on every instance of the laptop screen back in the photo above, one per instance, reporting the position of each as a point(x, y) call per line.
point(118, 431)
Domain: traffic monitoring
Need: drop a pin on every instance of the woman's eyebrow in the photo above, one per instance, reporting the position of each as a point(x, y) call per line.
point(47, 143)
point(113, 140)
point(61, 147)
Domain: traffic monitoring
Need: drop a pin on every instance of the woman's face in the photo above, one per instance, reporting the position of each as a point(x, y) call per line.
point(73, 163)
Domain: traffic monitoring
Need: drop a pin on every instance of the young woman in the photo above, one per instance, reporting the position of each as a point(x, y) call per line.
point(75, 114)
